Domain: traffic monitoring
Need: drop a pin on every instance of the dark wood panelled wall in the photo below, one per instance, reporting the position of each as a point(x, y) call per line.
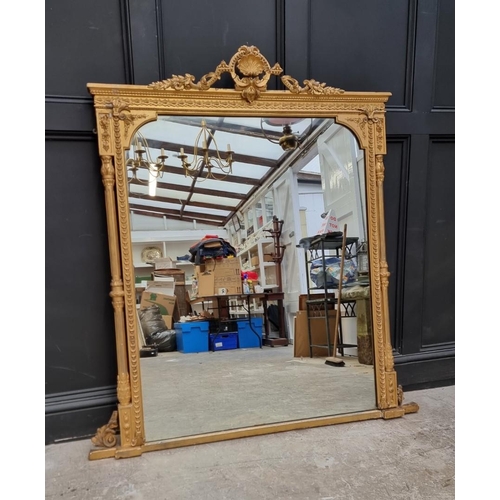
point(402, 46)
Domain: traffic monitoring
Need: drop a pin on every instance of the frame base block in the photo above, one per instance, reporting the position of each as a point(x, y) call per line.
point(410, 407)
point(128, 452)
point(100, 454)
point(399, 411)
point(115, 453)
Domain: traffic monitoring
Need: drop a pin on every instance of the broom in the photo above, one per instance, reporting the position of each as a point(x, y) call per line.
point(333, 360)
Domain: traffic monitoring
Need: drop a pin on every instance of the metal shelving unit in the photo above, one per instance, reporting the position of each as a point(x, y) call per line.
point(322, 299)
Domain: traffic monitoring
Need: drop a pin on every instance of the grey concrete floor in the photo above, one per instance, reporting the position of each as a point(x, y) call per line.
point(412, 457)
point(186, 394)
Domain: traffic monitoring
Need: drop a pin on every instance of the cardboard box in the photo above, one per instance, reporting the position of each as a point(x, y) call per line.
point(210, 284)
point(254, 261)
point(206, 282)
point(219, 274)
point(166, 303)
point(165, 287)
point(223, 267)
point(165, 263)
point(318, 334)
point(231, 284)
point(268, 257)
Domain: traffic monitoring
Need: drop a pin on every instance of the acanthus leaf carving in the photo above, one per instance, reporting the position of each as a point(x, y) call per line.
point(310, 87)
point(105, 135)
point(177, 82)
point(107, 171)
point(120, 110)
point(369, 113)
point(123, 388)
point(380, 169)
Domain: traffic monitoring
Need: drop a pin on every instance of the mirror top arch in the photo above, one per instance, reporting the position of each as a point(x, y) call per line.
point(251, 72)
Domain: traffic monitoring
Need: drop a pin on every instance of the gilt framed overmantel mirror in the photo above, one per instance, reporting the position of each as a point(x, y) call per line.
point(288, 185)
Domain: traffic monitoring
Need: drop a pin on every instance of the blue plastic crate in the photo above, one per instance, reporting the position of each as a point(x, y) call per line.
point(192, 337)
point(223, 341)
point(247, 337)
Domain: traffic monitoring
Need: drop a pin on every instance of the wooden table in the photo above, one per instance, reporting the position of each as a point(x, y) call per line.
point(223, 307)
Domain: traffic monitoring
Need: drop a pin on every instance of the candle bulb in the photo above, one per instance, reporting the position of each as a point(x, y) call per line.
point(162, 152)
point(229, 147)
point(182, 151)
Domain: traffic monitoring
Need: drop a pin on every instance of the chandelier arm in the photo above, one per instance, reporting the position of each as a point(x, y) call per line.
point(135, 162)
point(220, 162)
point(265, 135)
point(216, 177)
point(144, 142)
point(156, 172)
point(306, 133)
point(193, 171)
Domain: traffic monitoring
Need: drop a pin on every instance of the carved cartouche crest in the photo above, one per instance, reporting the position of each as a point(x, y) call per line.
point(250, 71)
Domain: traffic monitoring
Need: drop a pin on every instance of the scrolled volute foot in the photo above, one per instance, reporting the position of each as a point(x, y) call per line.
point(106, 435)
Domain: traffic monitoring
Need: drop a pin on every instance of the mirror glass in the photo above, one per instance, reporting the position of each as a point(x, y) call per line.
point(187, 393)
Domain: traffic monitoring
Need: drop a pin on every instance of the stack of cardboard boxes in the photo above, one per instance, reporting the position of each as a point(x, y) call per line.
point(162, 293)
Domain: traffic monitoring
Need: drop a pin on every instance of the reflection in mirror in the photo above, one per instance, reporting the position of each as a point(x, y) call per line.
point(259, 214)
point(251, 221)
point(172, 211)
point(269, 206)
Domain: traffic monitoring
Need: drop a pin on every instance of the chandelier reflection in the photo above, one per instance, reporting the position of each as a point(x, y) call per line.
point(288, 141)
point(207, 164)
point(140, 158)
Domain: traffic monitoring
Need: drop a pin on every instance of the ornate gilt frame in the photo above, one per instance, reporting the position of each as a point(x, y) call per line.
point(121, 110)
